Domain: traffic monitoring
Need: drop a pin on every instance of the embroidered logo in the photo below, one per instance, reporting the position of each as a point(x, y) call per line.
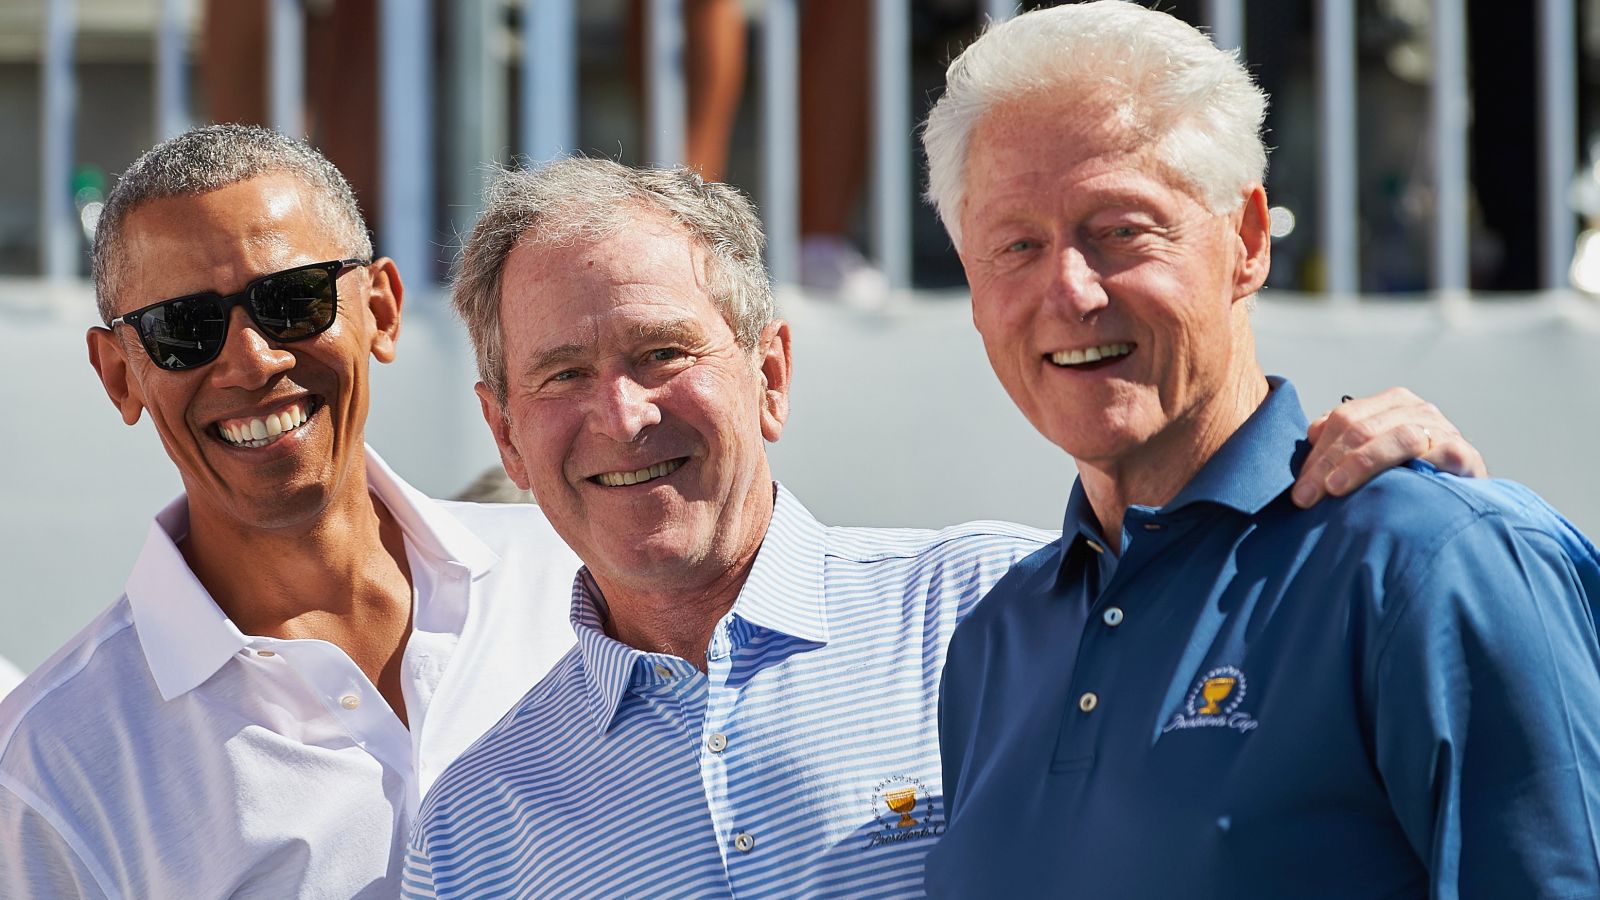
point(1213, 702)
point(903, 810)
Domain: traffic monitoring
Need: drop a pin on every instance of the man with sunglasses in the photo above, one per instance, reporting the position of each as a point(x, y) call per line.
point(305, 640)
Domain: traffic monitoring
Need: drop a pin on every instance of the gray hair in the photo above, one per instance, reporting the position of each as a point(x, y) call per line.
point(1169, 85)
point(581, 199)
point(206, 159)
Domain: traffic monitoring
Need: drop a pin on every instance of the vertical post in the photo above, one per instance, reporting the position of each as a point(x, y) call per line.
point(999, 10)
point(1451, 268)
point(477, 101)
point(58, 241)
point(286, 64)
point(780, 134)
point(668, 115)
point(1226, 18)
point(1558, 132)
point(1337, 108)
point(172, 103)
point(891, 147)
point(549, 79)
point(406, 150)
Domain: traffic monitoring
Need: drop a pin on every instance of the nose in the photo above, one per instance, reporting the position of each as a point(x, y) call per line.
point(248, 360)
point(1076, 286)
point(623, 409)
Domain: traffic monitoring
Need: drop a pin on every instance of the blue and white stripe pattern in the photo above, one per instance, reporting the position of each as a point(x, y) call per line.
point(803, 762)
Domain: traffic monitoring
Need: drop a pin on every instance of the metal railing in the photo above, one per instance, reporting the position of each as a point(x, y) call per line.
point(549, 121)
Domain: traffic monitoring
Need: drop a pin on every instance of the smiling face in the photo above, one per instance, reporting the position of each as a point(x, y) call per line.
point(267, 435)
point(1107, 295)
point(632, 413)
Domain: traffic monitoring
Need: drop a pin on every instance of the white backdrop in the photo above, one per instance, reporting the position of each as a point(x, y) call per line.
point(896, 420)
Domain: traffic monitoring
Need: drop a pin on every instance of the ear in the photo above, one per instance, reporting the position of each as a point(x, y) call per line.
point(777, 368)
point(109, 356)
point(500, 426)
point(1255, 244)
point(385, 295)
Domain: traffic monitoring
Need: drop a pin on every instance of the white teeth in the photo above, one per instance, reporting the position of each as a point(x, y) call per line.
point(623, 479)
point(260, 432)
point(1090, 354)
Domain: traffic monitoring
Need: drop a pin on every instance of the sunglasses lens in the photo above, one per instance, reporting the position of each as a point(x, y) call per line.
point(183, 333)
point(295, 304)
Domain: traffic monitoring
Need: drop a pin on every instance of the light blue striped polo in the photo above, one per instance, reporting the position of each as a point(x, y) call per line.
point(803, 762)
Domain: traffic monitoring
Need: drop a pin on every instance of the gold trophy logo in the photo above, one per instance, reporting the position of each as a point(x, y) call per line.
point(902, 801)
point(1216, 690)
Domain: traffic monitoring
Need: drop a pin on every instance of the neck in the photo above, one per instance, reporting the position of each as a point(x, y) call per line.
point(341, 578)
point(1158, 469)
point(676, 615)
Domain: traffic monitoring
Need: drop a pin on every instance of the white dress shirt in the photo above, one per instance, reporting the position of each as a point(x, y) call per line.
point(164, 753)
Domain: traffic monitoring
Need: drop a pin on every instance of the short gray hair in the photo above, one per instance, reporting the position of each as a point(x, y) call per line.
point(582, 199)
point(1167, 82)
point(206, 159)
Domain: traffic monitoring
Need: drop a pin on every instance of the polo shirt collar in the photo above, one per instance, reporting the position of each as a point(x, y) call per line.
point(783, 593)
point(1255, 465)
point(186, 637)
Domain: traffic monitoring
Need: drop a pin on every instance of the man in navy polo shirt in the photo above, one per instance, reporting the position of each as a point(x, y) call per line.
point(1203, 690)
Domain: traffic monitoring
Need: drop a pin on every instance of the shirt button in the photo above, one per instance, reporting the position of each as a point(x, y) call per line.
point(349, 701)
point(265, 654)
point(716, 742)
point(1088, 701)
point(1112, 616)
point(663, 671)
point(744, 842)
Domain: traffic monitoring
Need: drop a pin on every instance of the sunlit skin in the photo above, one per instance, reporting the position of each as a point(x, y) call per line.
point(618, 360)
point(285, 537)
point(1074, 237)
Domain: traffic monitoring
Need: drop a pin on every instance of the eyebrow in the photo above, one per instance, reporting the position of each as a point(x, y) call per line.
point(675, 331)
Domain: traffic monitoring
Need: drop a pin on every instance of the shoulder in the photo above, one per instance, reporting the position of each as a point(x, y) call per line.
point(506, 525)
point(101, 663)
point(528, 742)
point(969, 540)
point(1413, 518)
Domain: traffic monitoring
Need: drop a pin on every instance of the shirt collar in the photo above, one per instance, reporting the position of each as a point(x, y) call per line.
point(783, 593)
point(186, 637)
point(1255, 465)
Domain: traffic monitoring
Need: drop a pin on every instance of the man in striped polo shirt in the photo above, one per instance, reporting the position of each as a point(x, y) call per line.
point(751, 704)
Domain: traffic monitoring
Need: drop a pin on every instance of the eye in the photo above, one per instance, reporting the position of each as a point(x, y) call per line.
point(1021, 246)
point(565, 375)
point(664, 354)
point(1122, 232)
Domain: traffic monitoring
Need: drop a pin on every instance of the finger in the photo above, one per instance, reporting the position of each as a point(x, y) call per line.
point(1391, 447)
point(1342, 430)
point(1454, 454)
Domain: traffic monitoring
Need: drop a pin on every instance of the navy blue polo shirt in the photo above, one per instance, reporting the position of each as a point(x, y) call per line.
point(1393, 694)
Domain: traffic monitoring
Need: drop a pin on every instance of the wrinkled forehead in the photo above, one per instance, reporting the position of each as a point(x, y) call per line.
point(218, 240)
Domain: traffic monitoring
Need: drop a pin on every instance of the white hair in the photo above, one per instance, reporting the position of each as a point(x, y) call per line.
point(1169, 86)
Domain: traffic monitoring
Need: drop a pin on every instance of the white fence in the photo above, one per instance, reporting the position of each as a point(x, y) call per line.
point(550, 105)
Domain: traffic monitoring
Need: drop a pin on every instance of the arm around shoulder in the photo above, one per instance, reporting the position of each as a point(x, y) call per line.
point(1483, 689)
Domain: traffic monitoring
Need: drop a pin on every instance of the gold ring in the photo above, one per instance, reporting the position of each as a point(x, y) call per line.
point(1429, 435)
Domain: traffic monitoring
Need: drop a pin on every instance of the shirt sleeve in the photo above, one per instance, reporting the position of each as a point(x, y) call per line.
point(1484, 703)
point(37, 862)
point(417, 882)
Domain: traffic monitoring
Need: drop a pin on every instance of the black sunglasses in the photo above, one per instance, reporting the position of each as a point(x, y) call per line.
point(291, 305)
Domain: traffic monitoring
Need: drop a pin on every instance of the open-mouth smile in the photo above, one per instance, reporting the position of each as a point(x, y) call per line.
point(253, 432)
point(639, 476)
